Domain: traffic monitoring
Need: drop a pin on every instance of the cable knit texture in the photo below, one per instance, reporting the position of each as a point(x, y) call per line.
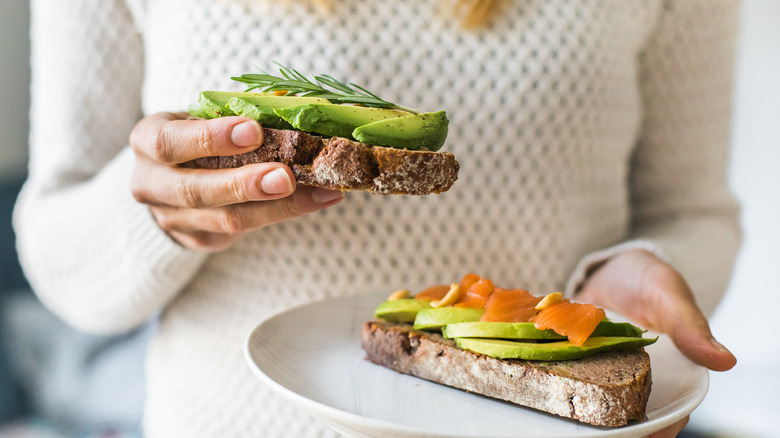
point(583, 128)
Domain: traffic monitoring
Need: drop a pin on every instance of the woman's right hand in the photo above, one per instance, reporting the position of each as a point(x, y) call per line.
point(209, 209)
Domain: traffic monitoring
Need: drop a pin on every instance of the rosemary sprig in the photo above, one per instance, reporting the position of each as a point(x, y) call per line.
point(323, 86)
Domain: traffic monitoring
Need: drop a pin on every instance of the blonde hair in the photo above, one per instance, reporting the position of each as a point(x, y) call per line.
point(474, 14)
point(477, 13)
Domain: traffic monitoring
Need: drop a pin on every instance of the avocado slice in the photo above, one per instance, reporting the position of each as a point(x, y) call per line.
point(417, 131)
point(334, 120)
point(195, 110)
point(502, 330)
point(403, 310)
point(261, 107)
point(526, 330)
point(561, 350)
point(213, 104)
point(436, 318)
point(624, 329)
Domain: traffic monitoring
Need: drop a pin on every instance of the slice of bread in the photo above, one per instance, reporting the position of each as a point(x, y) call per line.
point(607, 389)
point(342, 164)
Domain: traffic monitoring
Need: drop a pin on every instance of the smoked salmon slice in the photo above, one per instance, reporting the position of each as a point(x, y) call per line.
point(510, 305)
point(433, 293)
point(467, 281)
point(438, 292)
point(576, 321)
point(477, 293)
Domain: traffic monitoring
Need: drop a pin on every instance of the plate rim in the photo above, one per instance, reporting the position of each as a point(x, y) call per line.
point(320, 410)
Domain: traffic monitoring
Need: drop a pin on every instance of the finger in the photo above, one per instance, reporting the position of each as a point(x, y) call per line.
point(166, 138)
point(687, 326)
point(695, 340)
point(239, 218)
point(156, 184)
point(671, 431)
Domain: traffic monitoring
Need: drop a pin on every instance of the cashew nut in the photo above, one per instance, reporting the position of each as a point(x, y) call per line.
point(399, 294)
point(452, 296)
point(549, 300)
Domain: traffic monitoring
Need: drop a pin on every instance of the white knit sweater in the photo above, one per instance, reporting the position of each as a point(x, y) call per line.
point(582, 128)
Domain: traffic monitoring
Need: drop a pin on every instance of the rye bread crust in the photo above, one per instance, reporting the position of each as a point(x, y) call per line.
point(607, 389)
point(341, 164)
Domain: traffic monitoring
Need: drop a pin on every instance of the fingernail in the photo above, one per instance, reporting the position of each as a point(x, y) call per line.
point(720, 347)
point(322, 196)
point(246, 134)
point(276, 182)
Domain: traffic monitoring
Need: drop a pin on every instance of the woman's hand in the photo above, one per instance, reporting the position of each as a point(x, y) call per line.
point(208, 209)
point(640, 286)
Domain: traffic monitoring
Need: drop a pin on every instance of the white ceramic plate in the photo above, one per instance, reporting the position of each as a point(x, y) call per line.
point(312, 356)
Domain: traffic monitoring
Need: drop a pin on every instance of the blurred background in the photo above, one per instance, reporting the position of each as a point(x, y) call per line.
point(58, 380)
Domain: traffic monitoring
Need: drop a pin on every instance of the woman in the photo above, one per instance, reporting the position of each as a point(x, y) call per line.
point(592, 140)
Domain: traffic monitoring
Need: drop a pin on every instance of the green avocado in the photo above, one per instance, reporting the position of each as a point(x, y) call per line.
point(438, 317)
point(417, 131)
point(403, 310)
point(213, 104)
point(334, 120)
point(526, 330)
point(261, 107)
point(196, 110)
point(624, 329)
point(561, 350)
point(502, 330)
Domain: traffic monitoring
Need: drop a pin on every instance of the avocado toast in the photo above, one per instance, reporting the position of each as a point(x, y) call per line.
point(336, 136)
point(603, 380)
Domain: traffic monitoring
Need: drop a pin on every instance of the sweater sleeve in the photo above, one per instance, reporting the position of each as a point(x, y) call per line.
point(92, 254)
point(681, 206)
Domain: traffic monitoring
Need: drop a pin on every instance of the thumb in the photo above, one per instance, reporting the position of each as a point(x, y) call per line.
point(690, 332)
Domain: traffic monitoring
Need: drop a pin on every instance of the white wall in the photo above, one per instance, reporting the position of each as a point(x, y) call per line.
point(14, 83)
point(743, 401)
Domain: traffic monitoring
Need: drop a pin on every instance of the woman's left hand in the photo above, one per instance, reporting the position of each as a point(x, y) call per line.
point(643, 288)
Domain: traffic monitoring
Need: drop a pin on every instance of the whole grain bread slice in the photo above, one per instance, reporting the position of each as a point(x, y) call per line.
point(341, 164)
point(607, 389)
